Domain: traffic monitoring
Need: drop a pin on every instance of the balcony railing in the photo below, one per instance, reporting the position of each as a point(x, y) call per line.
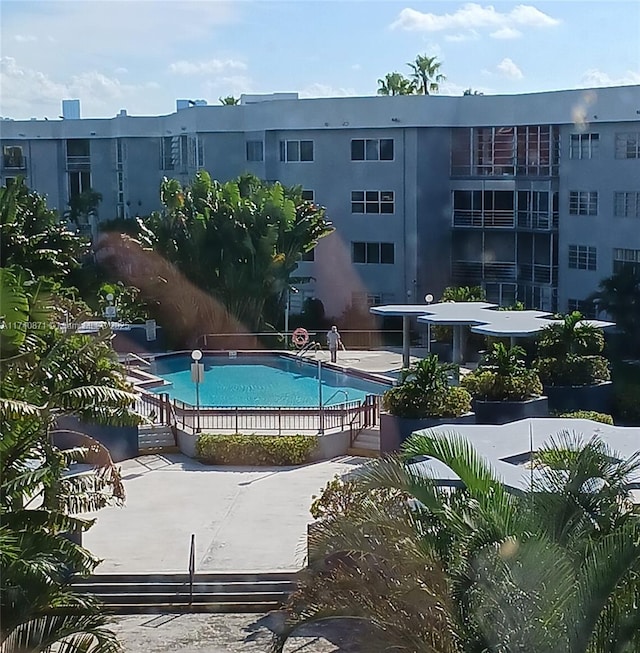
point(483, 271)
point(542, 221)
point(10, 162)
point(541, 170)
point(78, 162)
point(503, 219)
point(538, 273)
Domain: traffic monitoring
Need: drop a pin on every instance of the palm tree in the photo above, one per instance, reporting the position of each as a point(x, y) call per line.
point(571, 337)
point(480, 568)
point(44, 375)
point(426, 74)
point(229, 100)
point(395, 84)
point(619, 296)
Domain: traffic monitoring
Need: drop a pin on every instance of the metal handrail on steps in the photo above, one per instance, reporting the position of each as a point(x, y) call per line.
point(368, 409)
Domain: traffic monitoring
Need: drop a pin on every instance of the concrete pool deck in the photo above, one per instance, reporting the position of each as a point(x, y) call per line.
point(244, 519)
point(376, 361)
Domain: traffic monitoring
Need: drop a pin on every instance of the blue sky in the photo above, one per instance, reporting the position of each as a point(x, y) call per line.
point(144, 54)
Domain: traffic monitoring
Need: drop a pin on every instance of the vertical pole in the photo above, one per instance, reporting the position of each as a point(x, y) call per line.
point(320, 414)
point(406, 341)
point(197, 406)
point(192, 566)
point(428, 337)
point(456, 344)
point(512, 342)
point(286, 321)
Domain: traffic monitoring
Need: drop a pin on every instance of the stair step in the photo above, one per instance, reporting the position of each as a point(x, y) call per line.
point(177, 588)
point(172, 608)
point(363, 453)
point(183, 597)
point(181, 577)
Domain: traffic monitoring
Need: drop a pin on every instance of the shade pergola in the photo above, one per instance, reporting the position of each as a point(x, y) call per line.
point(481, 317)
point(406, 311)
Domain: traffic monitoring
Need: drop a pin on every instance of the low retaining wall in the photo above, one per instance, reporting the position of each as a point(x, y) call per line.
point(502, 412)
point(395, 430)
point(586, 397)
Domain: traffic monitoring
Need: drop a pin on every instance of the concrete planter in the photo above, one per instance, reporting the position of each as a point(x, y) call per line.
point(395, 430)
point(585, 397)
point(502, 412)
point(443, 350)
point(121, 441)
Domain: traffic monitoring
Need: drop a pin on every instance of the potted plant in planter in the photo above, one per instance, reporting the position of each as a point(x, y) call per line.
point(574, 374)
point(422, 399)
point(504, 389)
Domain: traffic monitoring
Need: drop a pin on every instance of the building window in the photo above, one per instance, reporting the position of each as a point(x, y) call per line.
point(628, 145)
point(372, 149)
point(294, 151)
point(626, 205)
point(584, 146)
point(255, 151)
point(584, 306)
point(373, 253)
point(309, 256)
point(583, 203)
point(79, 182)
point(582, 257)
point(173, 153)
point(12, 157)
point(626, 258)
point(372, 201)
point(307, 195)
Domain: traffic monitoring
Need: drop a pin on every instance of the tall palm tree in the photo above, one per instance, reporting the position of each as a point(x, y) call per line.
point(479, 568)
point(426, 74)
point(395, 84)
point(572, 336)
point(229, 100)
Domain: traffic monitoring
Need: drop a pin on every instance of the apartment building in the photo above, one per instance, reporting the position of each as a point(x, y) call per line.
point(536, 197)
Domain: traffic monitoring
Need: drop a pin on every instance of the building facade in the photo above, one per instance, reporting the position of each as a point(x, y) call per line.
point(536, 197)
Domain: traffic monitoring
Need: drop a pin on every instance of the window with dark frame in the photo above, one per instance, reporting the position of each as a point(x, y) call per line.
point(626, 204)
point(372, 201)
point(308, 195)
point(372, 149)
point(373, 253)
point(255, 151)
point(296, 151)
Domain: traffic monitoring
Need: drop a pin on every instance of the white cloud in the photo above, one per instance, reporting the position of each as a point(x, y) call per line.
point(356, 67)
point(212, 67)
point(509, 69)
point(474, 16)
point(506, 33)
point(325, 90)
point(25, 38)
point(595, 77)
point(41, 94)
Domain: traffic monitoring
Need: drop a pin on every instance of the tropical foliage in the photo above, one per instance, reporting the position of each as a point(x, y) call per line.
point(619, 296)
point(474, 567)
point(424, 391)
point(234, 245)
point(45, 375)
point(569, 353)
point(425, 78)
point(32, 237)
point(503, 376)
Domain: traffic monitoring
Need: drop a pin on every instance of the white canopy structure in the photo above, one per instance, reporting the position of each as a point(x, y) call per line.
point(481, 317)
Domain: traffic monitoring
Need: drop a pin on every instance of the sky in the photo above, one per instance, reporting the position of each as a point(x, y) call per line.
point(142, 55)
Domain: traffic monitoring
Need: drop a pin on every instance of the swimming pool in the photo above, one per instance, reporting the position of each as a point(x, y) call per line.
point(260, 381)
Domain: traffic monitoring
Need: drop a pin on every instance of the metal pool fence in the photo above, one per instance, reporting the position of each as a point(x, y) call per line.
point(353, 415)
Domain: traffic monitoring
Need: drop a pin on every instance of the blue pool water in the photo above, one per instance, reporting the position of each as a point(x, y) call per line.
point(274, 381)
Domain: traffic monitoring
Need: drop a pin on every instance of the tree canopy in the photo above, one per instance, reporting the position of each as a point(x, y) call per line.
point(237, 242)
point(425, 78)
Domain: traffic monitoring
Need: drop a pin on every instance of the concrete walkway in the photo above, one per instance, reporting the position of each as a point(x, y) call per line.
point(244, 519)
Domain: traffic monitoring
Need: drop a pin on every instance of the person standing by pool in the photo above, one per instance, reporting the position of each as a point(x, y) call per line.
point(334, 341)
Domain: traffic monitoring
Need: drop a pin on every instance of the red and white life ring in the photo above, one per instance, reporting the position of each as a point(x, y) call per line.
point(300, 337)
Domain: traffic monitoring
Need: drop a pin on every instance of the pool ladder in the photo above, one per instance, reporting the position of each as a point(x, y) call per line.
point(312, 344)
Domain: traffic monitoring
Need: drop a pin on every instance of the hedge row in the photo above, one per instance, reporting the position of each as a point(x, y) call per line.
point(589, 414)
point(240, 449)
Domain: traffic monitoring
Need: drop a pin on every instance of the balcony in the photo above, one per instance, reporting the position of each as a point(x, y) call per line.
point(484, 271)
point(12, 162)
point(500, 219)
point(78, 162)
point(538, 273)
point(541, 221)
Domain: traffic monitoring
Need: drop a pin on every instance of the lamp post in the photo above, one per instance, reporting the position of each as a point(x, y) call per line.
point(110, 311)
point(428, 298)
point(290, 289)
point(197, 376)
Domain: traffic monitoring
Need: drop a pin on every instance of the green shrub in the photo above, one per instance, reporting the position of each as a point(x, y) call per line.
point(487, 385)
point(573, 370)
point(342, 497)
point(239, 449)
point(589, 414)
point(424, 391)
